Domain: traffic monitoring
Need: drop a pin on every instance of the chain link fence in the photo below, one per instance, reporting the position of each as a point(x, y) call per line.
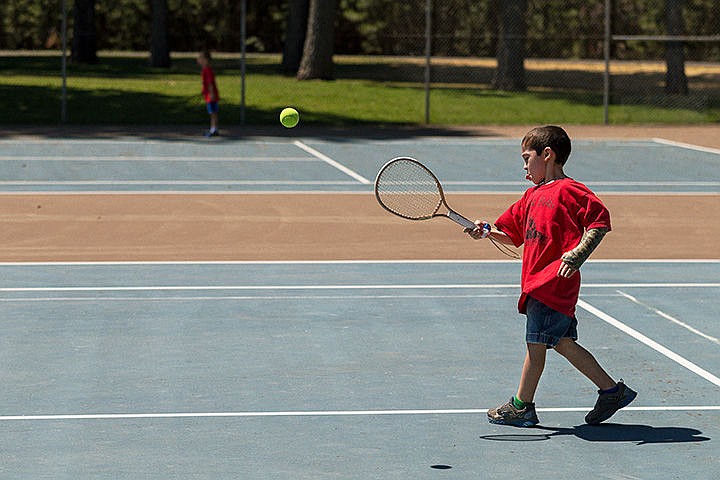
point(606, 56)
point(619, 53)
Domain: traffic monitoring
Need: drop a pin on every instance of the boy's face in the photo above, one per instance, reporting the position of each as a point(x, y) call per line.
point(535, 165)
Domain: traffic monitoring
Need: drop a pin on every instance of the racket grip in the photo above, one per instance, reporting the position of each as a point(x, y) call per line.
point(457, 218)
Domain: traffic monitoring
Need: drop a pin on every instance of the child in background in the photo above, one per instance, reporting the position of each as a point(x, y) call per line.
point(209, 91)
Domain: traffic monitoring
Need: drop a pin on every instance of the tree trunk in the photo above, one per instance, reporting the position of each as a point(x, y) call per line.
point(297, 21)
point(675, 78)
point(510, 73)
point(317, 61)
point(84, 41)
point(159, 48)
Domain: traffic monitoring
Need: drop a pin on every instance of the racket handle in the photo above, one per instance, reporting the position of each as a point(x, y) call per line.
point(457, 218)
point(487, 228)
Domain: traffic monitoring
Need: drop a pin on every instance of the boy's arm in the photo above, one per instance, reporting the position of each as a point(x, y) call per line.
point(572, 260)
point(493, 233)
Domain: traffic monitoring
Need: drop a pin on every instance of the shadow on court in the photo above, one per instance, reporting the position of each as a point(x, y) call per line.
point(610, 432)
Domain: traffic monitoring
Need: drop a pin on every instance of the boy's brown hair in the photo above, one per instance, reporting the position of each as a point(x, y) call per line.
point(549, 136)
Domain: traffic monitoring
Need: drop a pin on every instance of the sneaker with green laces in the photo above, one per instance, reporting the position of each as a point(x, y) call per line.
point(508, 414)
point(609, 403)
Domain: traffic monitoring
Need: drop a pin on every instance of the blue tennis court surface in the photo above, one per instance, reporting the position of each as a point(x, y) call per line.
point(269, 370)
point(357, 370)
point(473, 165)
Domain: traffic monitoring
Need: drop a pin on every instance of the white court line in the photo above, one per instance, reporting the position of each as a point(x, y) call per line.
point(24, 183)
point(325, 413)
point(601, 183)
point(340, 182)
point(650, 342)
point(139, 192)
point(332, 162)
point(246, 297)
point(129, 140)
point(651, 261)
point(689, 146)
point(148, 159)
point(119, 192)
point(669, 317)
point(149, 288)
point(658, 183)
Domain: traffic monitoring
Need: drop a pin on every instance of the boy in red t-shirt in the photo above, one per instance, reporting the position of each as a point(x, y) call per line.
point(560, 222)
point(209, 91)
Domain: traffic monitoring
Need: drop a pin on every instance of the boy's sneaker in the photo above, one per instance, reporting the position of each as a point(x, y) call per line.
point(212, 133)
point(609, 403)
point(507, 414)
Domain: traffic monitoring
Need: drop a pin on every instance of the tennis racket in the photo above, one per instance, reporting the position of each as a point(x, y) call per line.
point(408, 189)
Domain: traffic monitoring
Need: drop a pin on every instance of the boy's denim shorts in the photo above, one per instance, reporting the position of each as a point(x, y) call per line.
point(547, 326)
point(212, 107)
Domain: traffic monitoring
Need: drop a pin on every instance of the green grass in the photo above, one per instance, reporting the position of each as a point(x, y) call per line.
point(124, 90)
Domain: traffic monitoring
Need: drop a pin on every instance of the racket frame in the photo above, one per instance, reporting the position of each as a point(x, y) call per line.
point(451, 214)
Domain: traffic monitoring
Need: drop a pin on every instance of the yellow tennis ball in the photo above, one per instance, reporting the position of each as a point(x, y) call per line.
point(289, 117)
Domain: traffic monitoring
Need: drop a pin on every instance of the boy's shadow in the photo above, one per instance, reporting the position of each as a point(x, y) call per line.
point(610, 432)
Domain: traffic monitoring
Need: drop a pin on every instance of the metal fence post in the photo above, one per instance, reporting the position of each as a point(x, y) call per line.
point(428, 53)
point(243, 34)
point(63, 65)
point(606, 73)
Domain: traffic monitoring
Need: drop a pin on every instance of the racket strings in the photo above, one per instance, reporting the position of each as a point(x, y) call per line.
point(407, 189)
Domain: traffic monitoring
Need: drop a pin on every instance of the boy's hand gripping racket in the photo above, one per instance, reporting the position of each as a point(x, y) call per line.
point(408, 189)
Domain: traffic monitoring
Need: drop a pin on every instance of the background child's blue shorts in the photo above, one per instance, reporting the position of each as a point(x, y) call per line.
point(547, 326)
point(212, 107)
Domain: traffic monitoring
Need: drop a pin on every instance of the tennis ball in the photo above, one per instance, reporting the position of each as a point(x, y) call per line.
point(289, 117)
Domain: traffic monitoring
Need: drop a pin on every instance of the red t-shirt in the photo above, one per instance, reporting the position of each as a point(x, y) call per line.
point(208, 79)
point(550, 220)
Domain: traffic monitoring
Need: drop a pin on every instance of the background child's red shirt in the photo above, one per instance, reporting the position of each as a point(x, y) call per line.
point(208, 79)
point(549, 220)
